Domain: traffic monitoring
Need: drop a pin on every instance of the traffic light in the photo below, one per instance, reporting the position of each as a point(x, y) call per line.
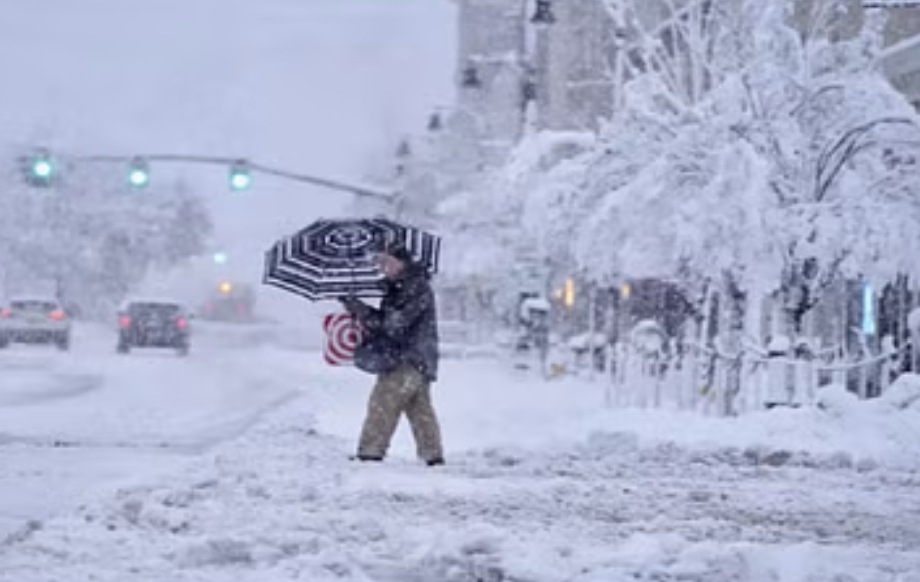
point(139, 173)
point(240, 179)
point(220, 258)
point(226, 288)
point(41, 169)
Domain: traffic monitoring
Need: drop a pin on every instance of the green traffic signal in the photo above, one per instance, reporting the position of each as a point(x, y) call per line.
point(139, 178)
point(42, 168)
point(240, 181)
point(240, 178)
point(139, 174)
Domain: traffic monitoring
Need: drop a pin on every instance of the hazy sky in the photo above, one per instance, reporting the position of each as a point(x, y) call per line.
point(311, 85)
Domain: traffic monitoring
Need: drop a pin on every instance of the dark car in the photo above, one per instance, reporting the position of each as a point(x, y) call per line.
point(153, 324)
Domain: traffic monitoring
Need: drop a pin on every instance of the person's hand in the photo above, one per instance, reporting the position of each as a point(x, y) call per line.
point(351, 304)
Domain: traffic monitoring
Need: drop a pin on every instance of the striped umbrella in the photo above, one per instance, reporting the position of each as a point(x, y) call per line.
point(335, 258)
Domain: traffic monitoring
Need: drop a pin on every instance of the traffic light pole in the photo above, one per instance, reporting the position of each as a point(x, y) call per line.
point(358, 190)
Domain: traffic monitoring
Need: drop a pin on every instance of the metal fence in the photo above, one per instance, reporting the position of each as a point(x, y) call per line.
point(698, 378)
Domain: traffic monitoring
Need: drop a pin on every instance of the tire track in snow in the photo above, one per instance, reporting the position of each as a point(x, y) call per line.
point(25, 390)
point(283, 498)
point(615, 497)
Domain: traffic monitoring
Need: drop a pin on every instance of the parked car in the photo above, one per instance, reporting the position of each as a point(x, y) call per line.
point(34, 320)
point(153, 324)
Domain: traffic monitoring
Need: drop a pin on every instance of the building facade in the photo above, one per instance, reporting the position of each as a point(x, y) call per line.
point(571, 64)
point(575, 66)
point(491, 71)
point(902, 51)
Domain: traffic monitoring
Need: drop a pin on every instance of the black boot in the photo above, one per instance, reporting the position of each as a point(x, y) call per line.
point(435, 462)
point(365, 458)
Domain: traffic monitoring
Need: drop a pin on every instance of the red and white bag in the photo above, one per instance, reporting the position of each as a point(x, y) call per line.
point(343, 336)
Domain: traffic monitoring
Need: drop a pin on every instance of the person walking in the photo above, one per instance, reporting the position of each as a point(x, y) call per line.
point(401, 347)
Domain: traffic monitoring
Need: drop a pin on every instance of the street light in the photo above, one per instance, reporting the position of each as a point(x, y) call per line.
point(220, 258)
point(569, 293)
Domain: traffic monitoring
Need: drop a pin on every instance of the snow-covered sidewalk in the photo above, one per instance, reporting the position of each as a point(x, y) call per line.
point(542, 485)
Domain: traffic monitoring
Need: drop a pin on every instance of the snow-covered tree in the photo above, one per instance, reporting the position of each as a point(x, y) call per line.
point(799, 117)
point(755, 149)
point(838, 139)
point(498, 235)
point(90, 237)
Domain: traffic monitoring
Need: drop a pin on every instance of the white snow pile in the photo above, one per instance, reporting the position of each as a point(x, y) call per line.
point(840, 431)
point(904, 394)
point(283, 503)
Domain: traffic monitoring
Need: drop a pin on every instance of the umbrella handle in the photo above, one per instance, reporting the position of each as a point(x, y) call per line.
point(354, 275)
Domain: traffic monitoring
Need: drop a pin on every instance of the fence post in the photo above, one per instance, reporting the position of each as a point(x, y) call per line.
point(622, 374)
point(610, 375)
point(776, 380)
point(592, 325)
point(680, 378)
point(885, 380)
point(863, 382)
point(694, 372)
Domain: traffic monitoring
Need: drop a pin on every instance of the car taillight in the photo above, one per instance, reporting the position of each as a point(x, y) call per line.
point(124, 321)
point(182, 323)
point(57, 315)
point(6, 313)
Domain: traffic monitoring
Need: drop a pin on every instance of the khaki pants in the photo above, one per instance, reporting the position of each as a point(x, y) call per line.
point(402, 390)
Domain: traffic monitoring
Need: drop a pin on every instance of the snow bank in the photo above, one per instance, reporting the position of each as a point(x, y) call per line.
point(904, 393)
point(542, 485)
point(645, 557)
point(485, 404)
point(841, 431)
point(283, 503)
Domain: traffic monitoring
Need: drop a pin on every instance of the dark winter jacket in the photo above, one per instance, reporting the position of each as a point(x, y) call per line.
point(408, 317)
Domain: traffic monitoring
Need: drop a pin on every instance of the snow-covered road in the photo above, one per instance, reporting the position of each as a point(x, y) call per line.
point(542, 485)
point(73, 422)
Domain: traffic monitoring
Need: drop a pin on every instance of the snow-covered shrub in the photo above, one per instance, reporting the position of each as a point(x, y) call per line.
point(835, 399)
point(904, 393)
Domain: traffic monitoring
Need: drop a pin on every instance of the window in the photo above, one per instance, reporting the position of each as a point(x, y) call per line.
point(160, 310)
point(29, 306)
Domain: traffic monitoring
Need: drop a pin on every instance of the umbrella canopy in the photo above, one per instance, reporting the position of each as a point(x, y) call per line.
point(335, 258)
